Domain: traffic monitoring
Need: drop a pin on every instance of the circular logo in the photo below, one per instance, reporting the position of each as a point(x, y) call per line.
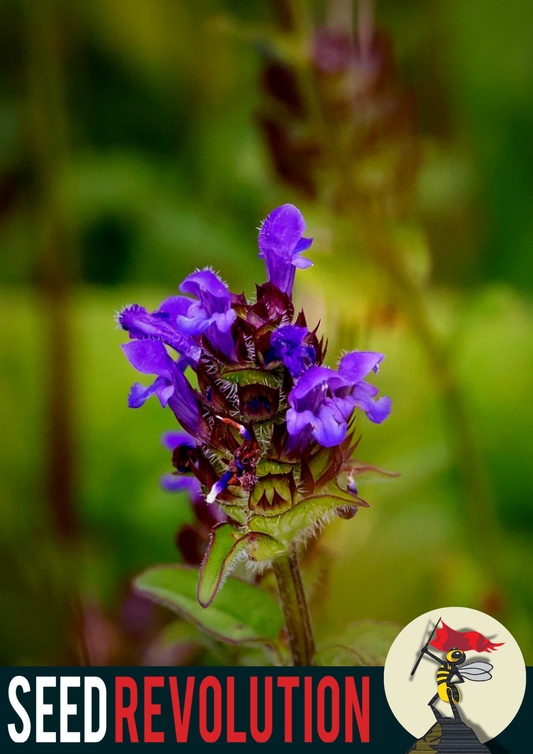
point(453, 668)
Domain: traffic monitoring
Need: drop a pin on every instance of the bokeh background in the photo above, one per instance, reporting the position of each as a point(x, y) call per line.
point(142, 139)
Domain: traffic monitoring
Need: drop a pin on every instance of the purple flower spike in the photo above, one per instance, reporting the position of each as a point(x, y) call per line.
point(265, 425)
point(281, 244)
point(287, 345)
point(211, 313)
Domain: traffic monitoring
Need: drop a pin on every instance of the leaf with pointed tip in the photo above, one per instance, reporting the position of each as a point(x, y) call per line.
point(225, 550)
point(243, 612)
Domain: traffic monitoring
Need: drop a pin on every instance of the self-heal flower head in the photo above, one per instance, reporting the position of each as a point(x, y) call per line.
point(288, 344)
point(268, 440)
point(281, 245)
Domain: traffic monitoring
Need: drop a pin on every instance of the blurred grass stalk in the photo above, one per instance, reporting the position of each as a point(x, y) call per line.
point(55, 245)
point(369, 222)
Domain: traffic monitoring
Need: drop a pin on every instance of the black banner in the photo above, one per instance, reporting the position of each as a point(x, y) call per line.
point(197, 706)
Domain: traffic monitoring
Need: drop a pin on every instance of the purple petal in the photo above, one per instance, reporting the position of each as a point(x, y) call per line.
point(175, 306)
point(196, 320)
point(224, 320)
point(312, 378)
point(302, 245)
point(172, 440)
point(376, 411)
point(356, 365)
point(160, 325)
point(281, 231)
point(212, 313)
point(298, 421)
point(204, 282)
point(183, 402)
point(173, 483)
point(280, 245)
point(287, 345)
point(149, 357)
point(301, 262)
point(140, 394)
point(379, 410)
point(331, 428)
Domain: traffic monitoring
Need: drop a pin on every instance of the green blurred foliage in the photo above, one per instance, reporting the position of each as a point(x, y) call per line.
point(165, 171)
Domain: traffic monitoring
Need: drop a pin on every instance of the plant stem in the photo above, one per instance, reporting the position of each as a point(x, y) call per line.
point(295, 609)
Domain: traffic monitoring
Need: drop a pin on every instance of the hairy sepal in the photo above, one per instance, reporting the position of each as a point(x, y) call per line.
point(227, 548)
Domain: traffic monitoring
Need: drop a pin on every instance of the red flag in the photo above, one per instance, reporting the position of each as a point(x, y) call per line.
point(447, 638)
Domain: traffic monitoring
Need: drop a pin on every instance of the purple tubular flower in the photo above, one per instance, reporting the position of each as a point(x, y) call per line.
point(211, 313)
point(287, 345)
point(281, 245)
point(160, 325)
point(323, 400)
point(315, 409)
point(171, 386)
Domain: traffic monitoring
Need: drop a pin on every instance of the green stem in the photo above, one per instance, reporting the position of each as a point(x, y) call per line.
point(295, 610)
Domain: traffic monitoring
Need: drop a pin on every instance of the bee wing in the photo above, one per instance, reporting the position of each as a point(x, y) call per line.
point(477, 671)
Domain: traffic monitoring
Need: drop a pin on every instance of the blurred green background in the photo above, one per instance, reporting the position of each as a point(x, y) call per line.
point(131, 152)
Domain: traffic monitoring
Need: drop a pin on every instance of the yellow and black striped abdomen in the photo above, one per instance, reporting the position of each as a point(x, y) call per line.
point(443, 684)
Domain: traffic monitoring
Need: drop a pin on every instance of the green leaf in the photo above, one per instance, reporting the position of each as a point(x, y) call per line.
point(369, 640)
point(224, 552)
point(242, 613)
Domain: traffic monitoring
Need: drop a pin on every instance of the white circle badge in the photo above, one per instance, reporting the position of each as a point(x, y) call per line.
point(455, 668)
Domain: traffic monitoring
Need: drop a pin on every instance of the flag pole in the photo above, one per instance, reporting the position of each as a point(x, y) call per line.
point(413, 671)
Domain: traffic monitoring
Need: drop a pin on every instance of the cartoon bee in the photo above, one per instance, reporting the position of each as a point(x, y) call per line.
point(448, 691)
